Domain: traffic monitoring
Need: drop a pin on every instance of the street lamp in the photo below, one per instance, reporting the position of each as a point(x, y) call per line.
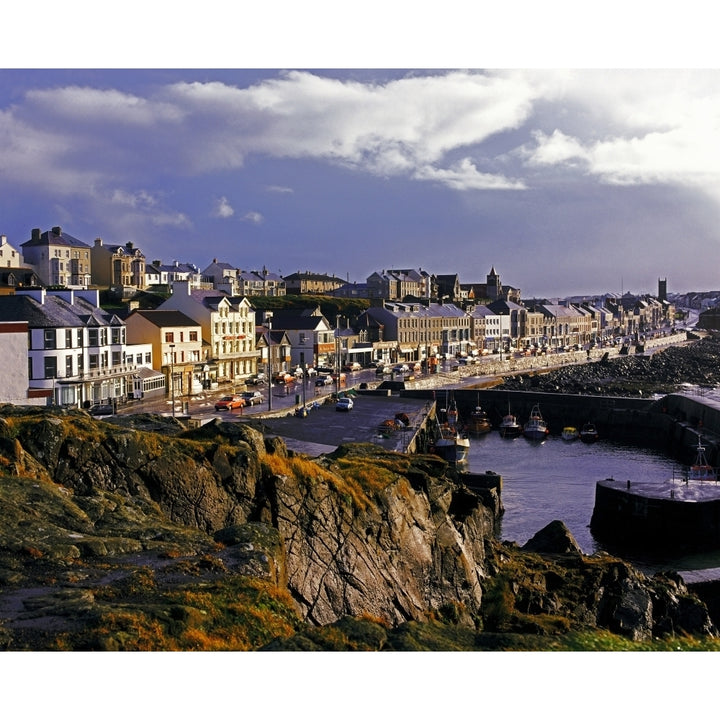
point(172, 375)
point(268, 321)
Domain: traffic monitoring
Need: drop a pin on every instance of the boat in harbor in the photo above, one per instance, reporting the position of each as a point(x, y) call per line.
point(570, 433)
point(589, 433)
point(509, 426)
point(701, 468)
point(535, 428)
point(451, 442)
point(479, 421)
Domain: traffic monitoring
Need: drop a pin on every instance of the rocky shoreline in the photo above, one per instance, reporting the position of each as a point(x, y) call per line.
point(120, 537)
point(660, 373)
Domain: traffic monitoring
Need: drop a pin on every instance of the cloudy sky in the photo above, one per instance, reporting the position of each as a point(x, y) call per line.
point(566, 181)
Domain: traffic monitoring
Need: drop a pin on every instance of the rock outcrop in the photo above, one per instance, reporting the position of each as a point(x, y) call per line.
point(124, 538)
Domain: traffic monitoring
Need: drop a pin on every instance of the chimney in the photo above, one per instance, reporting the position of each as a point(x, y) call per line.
point(98, 242)
point(57, 230)
point(35, 234)
point(129, 245)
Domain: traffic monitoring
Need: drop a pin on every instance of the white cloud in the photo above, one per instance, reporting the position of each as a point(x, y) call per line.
point(509, 126)
point(223, 209)
point(465, 176)
point(253, 217)
point(278, 189)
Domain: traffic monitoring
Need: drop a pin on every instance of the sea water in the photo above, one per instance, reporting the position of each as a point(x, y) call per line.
point(555, 480)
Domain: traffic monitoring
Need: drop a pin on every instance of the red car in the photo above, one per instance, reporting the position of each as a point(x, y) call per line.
point(229, 402)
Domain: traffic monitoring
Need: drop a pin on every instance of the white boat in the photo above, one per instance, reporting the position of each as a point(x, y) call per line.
point(451, 443)
point(509, 426)
point(701, 469)
point(535, 428)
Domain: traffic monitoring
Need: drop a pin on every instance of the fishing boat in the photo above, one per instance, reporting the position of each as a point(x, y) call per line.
point(479, 421)
point(701, 469)
point(589, 433)
point(535, 428)
point(570, 433)
point(509, 426)
point(451, 443)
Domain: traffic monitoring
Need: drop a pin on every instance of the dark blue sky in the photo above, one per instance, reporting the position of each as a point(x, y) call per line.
point(567, 182)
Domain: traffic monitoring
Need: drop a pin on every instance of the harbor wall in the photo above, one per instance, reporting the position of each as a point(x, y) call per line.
point(623, 518)
point(672, 424)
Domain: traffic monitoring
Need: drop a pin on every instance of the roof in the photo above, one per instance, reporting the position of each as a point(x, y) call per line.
point(54, 312)
point(51, 237)
point(166, 318)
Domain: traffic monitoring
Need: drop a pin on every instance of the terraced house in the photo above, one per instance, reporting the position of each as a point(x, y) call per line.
point(76, 351)
point(410, 332)
point(228, 330)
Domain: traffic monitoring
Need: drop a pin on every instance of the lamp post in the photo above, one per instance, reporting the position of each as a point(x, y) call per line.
point(172, 376)
point(268, 320)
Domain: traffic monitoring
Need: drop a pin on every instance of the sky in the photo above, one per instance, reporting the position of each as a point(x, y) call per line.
point(579, 179)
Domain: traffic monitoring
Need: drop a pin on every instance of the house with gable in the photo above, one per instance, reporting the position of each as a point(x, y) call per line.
point(75, 351)
point(10, 257)
point(228, 330)
point(118, 266)
point(310, 334)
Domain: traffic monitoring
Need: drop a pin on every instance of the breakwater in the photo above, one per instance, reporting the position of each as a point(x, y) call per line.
point(671, 423)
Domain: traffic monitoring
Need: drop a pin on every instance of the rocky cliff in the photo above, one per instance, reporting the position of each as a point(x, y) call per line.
point(143, 534)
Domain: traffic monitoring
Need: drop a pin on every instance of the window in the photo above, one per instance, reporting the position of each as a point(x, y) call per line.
point(116, 358)
point(50, 366)
point(93, 337)
point(68, 366)
point(94, 361)
point(116, 336)
point(49, 337)
point(68, 338)
point(193, 335)
point(80, 363)
point(148, 358)
point(79, 338)
point(169, 337)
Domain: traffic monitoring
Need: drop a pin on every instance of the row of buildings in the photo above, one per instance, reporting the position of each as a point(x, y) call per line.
point(61, 347)
point(55, 258)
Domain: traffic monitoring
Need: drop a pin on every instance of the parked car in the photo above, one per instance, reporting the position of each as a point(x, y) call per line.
point(258, 379)
point(324, 370)
point(352, 367)
point(101, 410)
point(324, 380)
point(252, 397)
point(344, 404)
point(229, 402)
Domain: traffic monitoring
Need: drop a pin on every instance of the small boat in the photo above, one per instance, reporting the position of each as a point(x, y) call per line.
point(701, 469)
point(535, 428)
point(451, 443)
point(479, 421)
point(509, 426)
point(570, 433)
point(589, 433)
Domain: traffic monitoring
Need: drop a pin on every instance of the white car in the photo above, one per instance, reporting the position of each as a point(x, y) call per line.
point(344, 404)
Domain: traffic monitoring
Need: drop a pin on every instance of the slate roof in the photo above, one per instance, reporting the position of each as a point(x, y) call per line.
point(51, 238)
point(55, 312)
point(166, 318)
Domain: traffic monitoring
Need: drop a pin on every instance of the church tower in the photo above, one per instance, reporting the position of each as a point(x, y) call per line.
point(493, 285)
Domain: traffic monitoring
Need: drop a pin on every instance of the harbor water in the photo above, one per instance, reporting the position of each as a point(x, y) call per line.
point(555, 480)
